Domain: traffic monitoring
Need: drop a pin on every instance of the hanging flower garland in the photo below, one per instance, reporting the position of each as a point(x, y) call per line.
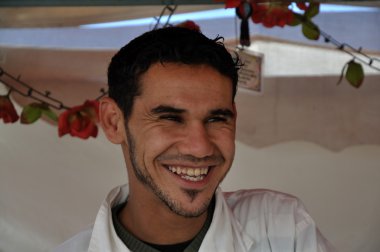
point(281, 13)
point(78, 121)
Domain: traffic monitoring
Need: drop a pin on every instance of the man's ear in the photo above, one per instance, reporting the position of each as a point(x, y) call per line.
point(111, 120)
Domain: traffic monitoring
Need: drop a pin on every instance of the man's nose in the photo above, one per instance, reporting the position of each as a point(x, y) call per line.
point(196, 141)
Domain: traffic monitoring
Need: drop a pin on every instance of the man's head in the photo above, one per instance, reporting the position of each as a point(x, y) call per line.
point(174, 45)
point(175, 118)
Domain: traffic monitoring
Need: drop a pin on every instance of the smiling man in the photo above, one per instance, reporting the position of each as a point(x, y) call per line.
point(171, 108)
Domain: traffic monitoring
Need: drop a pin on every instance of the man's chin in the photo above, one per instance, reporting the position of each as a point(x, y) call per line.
point(193, 209)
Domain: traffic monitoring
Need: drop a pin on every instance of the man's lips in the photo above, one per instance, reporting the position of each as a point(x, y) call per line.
point(188, 167)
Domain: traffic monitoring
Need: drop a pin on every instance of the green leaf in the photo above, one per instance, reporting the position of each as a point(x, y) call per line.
point(312, 10)
point(45, 109)
point(50, 114)
point(297, 19)
point(354, 74)
point(310, 30)
point(30, 113)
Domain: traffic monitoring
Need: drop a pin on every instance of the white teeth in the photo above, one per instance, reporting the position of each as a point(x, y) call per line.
point(193, 174)
point(193, 178)
point(197, 172)
point(190, 172)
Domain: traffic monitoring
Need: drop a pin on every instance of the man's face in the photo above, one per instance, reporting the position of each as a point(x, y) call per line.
point(180, 136)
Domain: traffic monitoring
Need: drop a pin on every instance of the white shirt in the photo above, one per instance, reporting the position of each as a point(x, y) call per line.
point(243, 221)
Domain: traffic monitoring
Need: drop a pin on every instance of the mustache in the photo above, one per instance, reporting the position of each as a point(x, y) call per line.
point(190, 158)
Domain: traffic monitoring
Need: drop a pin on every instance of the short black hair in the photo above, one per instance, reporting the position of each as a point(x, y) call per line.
point(166, 45)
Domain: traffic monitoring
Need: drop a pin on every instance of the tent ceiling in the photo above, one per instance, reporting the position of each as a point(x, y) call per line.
point(28, 17)
point(63, 13)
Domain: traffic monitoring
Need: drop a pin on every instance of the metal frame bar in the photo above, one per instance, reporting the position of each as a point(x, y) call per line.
point(56, 3)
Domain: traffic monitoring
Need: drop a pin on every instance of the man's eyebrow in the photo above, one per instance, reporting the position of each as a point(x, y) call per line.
point(223, 112)
point(166, 109)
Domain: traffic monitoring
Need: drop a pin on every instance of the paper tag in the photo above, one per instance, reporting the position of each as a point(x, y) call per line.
point(250, 74)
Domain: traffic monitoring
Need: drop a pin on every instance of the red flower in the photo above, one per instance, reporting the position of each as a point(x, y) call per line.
point(7, 110)
point(301, 5)
point(272, 14)
point(232, 3)
point(191, 25)
point(80, 121)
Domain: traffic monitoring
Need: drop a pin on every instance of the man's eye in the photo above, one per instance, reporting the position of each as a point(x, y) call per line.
point(217, 119)
point(174, 118)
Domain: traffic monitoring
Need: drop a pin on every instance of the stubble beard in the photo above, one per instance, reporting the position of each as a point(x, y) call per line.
point(146, 179)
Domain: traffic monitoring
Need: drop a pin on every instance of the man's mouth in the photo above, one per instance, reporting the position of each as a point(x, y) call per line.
point(190, 174)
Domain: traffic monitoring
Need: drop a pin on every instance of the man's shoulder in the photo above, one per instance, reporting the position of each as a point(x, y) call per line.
point(262, 200)
point(78, 243)
point(260, 195)
point(276, 217)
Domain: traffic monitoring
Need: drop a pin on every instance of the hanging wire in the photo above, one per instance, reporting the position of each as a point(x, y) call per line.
point(168, 8)
point(355, 53)
point(16, 85)
point(103, 93)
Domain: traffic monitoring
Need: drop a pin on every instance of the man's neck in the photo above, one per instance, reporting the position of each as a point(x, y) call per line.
point(159, 225)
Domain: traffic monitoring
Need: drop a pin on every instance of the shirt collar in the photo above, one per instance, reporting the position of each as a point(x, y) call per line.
point(137, 245)
point(225, 232)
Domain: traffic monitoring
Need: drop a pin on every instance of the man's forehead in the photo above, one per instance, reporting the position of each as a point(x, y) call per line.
point(167, 74)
